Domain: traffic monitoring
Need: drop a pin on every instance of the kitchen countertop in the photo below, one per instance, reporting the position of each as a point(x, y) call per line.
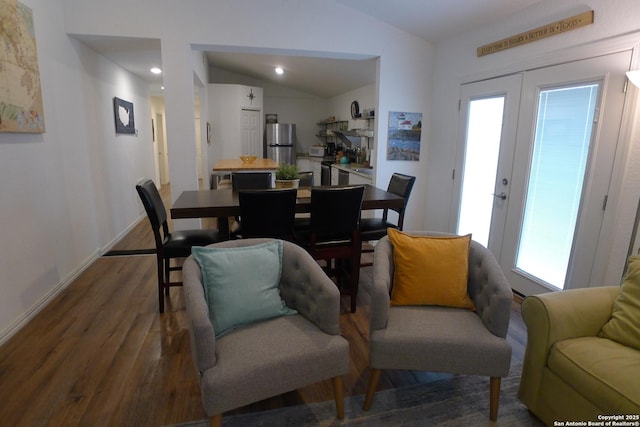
point(355, 168)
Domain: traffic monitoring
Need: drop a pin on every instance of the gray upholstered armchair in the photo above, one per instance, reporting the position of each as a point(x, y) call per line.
point(271, 357)
point(442, 339)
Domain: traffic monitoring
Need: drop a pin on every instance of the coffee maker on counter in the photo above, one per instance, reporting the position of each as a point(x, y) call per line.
point(330, 149)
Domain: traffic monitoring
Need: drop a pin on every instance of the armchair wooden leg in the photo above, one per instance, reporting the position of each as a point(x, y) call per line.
point(494, 398)
point(371, 388)
point(338, 393)
point(216, 421)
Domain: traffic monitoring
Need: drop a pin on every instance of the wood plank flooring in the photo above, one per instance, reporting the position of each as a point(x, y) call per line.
point(100, 354)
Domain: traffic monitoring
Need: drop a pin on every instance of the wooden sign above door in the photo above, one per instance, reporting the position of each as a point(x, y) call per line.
point(548, 30)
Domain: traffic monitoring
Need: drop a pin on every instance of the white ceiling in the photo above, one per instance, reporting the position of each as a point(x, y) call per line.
point(431, 20)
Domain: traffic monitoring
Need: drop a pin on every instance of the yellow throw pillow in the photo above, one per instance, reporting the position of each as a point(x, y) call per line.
point(430, 270)
point(624, 325)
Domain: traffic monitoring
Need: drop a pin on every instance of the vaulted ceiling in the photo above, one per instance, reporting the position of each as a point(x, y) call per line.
point(432, 20)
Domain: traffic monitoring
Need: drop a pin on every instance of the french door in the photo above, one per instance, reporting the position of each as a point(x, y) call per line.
point(544, 185)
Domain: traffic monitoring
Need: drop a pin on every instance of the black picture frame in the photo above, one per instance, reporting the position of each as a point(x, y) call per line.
point(123, 111)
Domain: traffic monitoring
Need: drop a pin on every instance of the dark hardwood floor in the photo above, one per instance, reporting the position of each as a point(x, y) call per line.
point(100, 354)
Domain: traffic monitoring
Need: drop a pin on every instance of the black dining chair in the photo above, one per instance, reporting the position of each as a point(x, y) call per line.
point(267, 213)
point(376, 228)
point(250, 180)
point(247, 181)
point(306, 179)
point(333, 234)
point(169, 245)
point(301, 221)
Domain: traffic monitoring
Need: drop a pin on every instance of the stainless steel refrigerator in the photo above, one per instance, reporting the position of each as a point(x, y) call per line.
point(280, 142)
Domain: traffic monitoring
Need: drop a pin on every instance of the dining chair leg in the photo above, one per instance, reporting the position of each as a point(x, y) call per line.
point(371, 388)
point(167, 275)
point(338, 393)
point(494, 398)
point(355, 280)
point(160, 266)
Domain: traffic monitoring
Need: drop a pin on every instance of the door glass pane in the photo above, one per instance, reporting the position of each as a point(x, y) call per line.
point(561, 149)
point(484, 130)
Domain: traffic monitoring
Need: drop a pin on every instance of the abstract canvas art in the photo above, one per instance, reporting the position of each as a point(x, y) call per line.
point(21, 108)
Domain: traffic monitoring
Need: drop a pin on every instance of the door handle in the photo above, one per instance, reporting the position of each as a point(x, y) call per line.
point(502, 196)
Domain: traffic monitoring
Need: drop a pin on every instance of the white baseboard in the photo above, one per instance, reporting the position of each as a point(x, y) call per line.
point(106, 248)
point(30, 313)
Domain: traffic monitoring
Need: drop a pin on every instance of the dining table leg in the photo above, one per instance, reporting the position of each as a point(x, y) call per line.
point(223, 227)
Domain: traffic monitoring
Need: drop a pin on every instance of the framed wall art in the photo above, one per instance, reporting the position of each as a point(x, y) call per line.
point(405, 130)
point(123, 114)
point(21, 107)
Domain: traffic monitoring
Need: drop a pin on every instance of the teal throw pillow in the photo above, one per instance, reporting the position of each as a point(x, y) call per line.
point(241, 284)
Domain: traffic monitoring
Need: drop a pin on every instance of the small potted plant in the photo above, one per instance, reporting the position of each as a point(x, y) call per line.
point(287, 176)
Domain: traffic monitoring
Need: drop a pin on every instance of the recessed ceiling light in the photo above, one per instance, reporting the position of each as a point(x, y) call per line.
point(162, 87)
point(156, 70)
point(279, 70)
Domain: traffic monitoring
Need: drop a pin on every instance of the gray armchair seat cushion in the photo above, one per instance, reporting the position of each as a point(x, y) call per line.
point(268, 358)
point(272, 358)
point(445, 334)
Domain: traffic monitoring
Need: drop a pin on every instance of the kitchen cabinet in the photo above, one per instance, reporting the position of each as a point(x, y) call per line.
point(356, 179)
point(316, 167)
point(335, 176)
point(304, 164)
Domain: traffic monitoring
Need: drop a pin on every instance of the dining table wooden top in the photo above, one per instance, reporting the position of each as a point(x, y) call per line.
point(225, 203)
point(225, 165)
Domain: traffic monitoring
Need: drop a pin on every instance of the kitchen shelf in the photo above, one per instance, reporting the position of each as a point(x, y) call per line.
point(330, 129)
point(334, 131)
point(367, 133)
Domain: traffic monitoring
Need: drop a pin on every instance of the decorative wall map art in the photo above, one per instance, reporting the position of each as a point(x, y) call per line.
point(403, 142)
point(123, 113)
point(21, 107)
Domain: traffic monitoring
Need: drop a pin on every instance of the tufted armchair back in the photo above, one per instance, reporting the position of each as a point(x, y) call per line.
point(303, 286)
point(489, 290)
point(487, 286)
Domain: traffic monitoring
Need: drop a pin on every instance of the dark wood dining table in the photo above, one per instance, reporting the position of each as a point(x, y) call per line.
point(223, 204)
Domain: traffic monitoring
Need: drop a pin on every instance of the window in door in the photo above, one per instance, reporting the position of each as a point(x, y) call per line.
point(484, 131)
point(563, 134)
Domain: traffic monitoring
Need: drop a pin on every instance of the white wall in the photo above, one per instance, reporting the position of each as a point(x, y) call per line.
point(296, 107)
point(67, 194)
point(310, 27)
point(456, 62)
point(291, 106)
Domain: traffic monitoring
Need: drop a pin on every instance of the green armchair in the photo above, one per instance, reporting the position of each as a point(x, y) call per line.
point(569, 372)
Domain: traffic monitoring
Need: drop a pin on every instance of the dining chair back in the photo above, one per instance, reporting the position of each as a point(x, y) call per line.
point(306, 179)
point(376, 228)
point(169, 245)
point(247, 181)
point(268, 213)
point(333, 234)
point(250, 180)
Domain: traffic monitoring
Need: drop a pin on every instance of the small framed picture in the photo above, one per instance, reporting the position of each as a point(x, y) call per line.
point(123, 115)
